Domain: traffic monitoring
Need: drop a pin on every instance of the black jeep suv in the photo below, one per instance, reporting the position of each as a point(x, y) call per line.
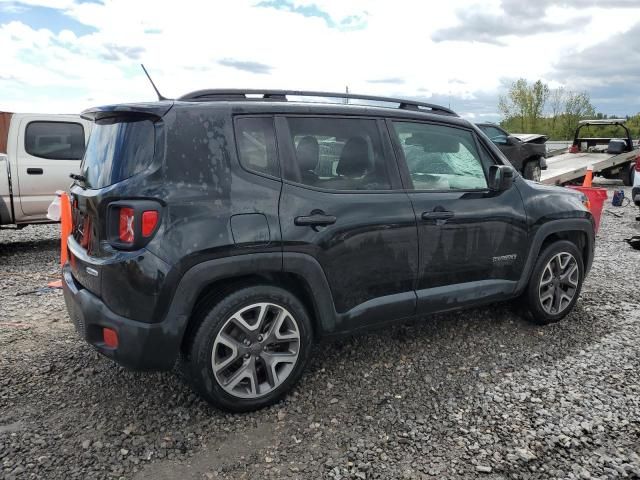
point(231, 229)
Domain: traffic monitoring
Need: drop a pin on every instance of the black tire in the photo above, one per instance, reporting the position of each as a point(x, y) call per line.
point(532, 170)
point(199, 363)
point(532, 296)
point(627, 174)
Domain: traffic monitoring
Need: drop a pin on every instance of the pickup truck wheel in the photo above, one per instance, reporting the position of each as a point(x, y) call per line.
point(532, 171)
point(627, 174)
point(555, 283)
point(250, 349)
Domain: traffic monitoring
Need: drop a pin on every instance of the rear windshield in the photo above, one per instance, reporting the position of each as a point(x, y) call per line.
point(118, 148)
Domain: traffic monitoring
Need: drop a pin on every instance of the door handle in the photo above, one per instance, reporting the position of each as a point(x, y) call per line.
point(437, 215)
point(34, 171)
point(315, 220)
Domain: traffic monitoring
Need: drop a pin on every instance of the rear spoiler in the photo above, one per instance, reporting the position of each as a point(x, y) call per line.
point(155, 109)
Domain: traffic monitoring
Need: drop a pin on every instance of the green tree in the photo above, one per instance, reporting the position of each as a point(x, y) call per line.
point(524, 102)
point(537, 98)
point(556, 104)
point(577, 106)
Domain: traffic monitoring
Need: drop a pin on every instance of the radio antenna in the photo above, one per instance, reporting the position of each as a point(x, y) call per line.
point(160, 97)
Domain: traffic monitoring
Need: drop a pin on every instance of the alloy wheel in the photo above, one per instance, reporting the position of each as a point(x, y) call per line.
point(256, 350)
point(559, 283)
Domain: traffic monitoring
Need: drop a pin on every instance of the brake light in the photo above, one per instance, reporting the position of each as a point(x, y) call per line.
point(574, 149)
point(149, 222)
point(132, 223)
point(126, 232)
point(638, 163)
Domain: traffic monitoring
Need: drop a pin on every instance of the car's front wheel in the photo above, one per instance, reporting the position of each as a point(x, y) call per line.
point(250, 349)
point(555, 283)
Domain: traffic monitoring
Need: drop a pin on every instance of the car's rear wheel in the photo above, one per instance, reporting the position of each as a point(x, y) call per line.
point(250, 349)
point(532, 171)
point(555, 283)
point(627, 174)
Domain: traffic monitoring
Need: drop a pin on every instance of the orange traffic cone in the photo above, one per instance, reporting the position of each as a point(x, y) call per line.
point(588, 178)
point(66, 226)
point(65, 230)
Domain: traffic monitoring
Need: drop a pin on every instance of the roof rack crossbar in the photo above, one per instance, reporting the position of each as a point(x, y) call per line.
point(281, 95)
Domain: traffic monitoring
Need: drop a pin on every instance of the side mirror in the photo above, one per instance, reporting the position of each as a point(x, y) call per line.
point(501, 177)
point(511, 140)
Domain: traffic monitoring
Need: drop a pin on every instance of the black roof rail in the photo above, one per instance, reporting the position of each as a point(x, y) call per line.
point(281, 95)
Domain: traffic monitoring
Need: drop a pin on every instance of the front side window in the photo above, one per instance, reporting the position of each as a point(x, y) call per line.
point(54, 140)
point(256, 142)
point(338, 154)
point(440, 157)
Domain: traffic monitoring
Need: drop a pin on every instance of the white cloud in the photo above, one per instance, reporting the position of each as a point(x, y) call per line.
point(196, 44)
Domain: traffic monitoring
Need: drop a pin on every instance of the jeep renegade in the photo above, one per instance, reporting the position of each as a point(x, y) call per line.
point(228, 230)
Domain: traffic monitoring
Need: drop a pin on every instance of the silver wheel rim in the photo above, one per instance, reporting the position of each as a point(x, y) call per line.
point(537, 173)
point(255, 350)
point(559, 283)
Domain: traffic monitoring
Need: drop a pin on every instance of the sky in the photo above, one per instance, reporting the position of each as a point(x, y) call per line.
point(63, 56)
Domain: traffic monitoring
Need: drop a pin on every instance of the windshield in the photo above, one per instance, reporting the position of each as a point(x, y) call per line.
point(118, 148)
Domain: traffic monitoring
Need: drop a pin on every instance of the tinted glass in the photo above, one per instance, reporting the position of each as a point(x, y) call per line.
point(440, 158)
point(55, 140)
point(338, 154)
point(257, 145)
point(118, 148)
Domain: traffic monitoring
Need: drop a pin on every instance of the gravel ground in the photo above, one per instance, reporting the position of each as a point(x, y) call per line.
point(474, 394)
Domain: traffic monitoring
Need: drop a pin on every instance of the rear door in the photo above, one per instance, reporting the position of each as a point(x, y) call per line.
point(47, 152)
point(472, 240)
point(343, 205)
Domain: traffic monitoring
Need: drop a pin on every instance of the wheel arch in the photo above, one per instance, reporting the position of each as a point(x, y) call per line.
point(578, 231)
point(207, 282)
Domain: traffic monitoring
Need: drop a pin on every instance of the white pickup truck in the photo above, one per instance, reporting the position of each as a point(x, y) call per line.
point(37, 155)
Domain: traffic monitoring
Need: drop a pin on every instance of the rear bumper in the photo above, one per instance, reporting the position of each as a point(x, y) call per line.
point(142, 346)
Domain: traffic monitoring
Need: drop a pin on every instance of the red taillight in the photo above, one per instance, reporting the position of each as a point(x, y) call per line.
point(132, 223)
point(149, 222)
point(110, 338)
point(574, 149)
point(638, 163)
point(126, 230)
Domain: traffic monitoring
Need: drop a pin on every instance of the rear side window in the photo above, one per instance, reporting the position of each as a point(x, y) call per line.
point(257, 145)
point(338, 154)
point(54, 140)
point(118, 148)
point(440, 157)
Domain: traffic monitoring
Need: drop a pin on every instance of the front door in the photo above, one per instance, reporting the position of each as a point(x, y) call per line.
point(472, 240)
point(342, 203)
